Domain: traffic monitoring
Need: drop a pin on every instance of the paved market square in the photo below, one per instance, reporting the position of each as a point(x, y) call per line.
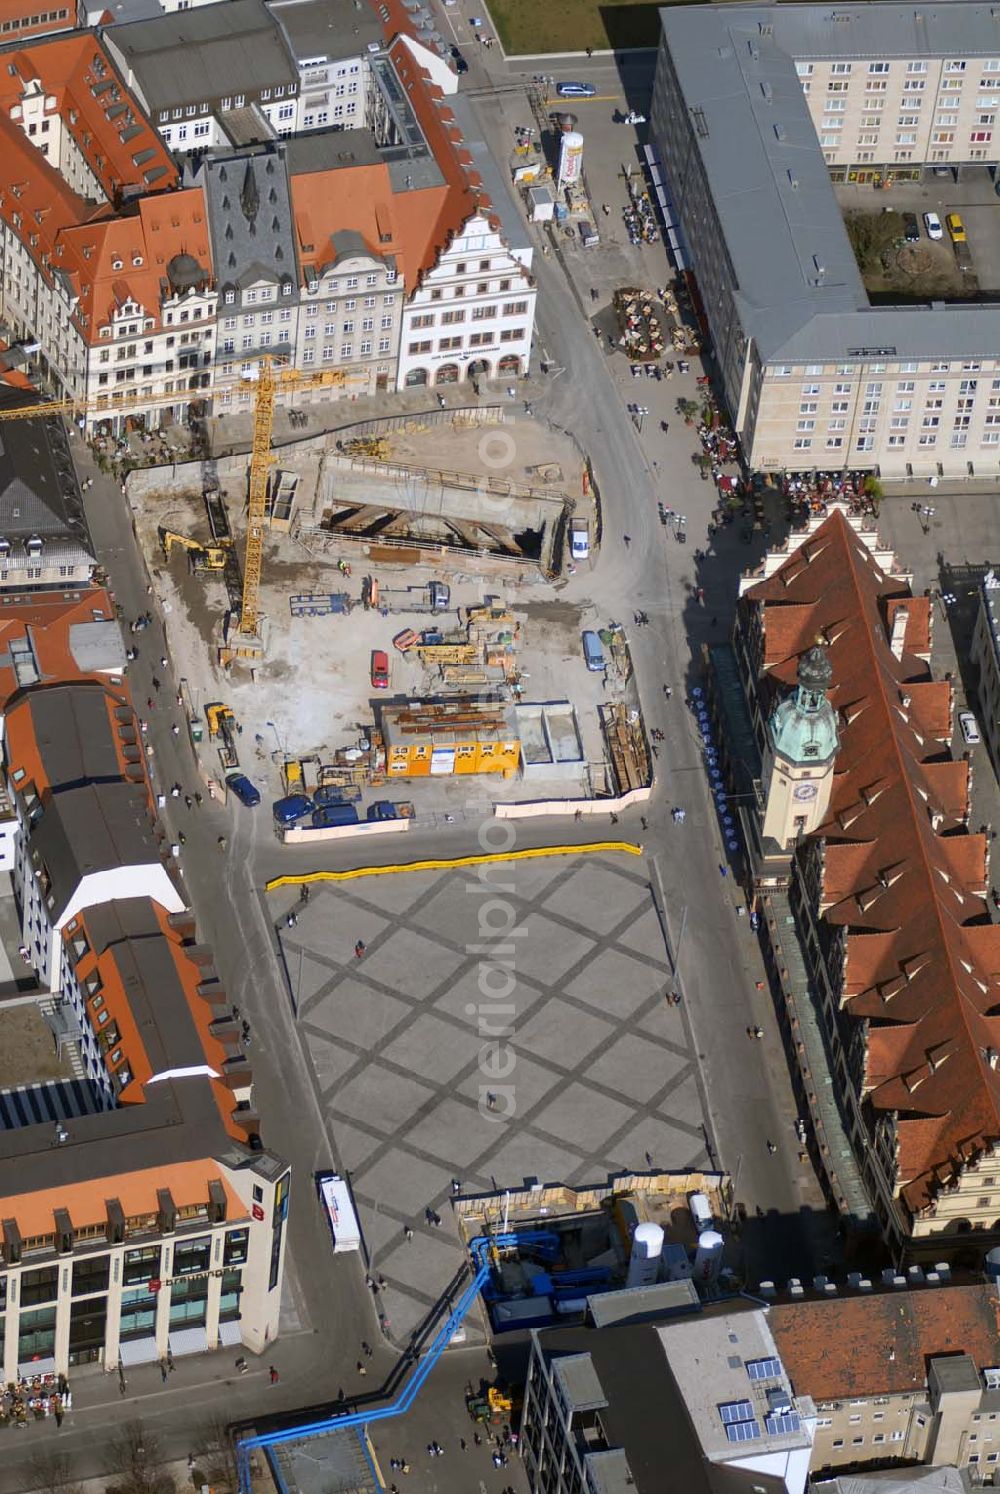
point(570, 980)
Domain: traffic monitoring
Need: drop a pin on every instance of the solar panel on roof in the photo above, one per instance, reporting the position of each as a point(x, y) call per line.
point(786, 1421)
point(764, 1369)
point(743, 1431)
point(731, 1411)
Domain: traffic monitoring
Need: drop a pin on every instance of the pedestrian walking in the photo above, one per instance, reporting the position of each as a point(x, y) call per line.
point(491, 1100)
point(273, 1374)
point(359, 949)
point(361, 1367)
point(163, 1371)
point(155, 683)
point(175, 730)
point(163, 662)
point(626, 540)
point(407, 1232)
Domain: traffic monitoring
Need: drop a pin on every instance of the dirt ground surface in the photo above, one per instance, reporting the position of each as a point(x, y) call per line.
point(312, 692)
point(27, 1049)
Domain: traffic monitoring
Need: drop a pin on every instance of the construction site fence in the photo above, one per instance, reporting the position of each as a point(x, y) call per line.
point(531, 809)
point(557, 1199)
point(302, 835)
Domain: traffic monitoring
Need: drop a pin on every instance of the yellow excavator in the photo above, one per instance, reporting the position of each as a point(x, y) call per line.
point(202, 557)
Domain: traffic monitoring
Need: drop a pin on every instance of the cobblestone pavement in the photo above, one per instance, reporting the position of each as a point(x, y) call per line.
point(602, 1074)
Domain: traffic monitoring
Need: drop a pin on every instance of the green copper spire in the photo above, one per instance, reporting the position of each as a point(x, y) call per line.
point(804, 724)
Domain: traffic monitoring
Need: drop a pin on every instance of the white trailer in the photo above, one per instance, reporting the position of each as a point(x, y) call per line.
point(336, 1200)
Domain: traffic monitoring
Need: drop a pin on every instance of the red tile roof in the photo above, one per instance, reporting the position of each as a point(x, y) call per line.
point(113, 136)
point(880, 1343)
point(901, 875)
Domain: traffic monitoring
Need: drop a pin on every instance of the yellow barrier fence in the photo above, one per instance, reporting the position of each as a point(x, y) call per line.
point(599, 847)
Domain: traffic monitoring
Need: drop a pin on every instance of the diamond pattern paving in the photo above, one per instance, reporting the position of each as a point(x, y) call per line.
point(593, 1070)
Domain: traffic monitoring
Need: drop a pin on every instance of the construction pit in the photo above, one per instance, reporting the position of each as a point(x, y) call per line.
point(505, 642)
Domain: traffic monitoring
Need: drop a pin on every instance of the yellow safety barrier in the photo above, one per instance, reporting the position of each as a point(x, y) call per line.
point(529, 853)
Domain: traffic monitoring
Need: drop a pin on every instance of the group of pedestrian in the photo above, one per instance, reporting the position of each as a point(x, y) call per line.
point(678, 815)
point(641, 619)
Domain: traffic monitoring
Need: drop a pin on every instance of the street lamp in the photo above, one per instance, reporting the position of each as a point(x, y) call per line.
point(276, 736)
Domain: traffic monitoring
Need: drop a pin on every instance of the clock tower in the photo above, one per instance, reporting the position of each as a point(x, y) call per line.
point(798, 765)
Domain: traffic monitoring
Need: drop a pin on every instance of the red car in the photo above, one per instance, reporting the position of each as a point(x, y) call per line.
point(380, 669)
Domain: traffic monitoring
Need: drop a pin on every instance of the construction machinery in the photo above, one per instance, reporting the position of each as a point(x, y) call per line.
point(369, 446)
point(243, 637)
point(202, 557)
point(223, 726)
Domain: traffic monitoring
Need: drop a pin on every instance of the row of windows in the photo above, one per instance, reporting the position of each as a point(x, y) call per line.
point(476, 340)
point(44, 18)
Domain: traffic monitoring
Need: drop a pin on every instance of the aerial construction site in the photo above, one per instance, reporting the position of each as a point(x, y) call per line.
point(383, 602)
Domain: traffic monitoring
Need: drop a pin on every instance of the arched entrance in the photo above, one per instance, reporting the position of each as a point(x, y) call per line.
point(510, 365)
point(416, 378)
point(447, 374)
point(479, 368)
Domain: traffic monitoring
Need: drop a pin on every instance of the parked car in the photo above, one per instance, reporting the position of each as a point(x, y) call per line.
point(932, 225)
point(911, 228)
point(969, 728)
point(575, 90)
point(334, 814)
point(248, 793)
point(295, 807)
point(956, 228)
point(380, 669)
point(579, 539)
point(382, 809)
point(461, 66)
point(593, 652)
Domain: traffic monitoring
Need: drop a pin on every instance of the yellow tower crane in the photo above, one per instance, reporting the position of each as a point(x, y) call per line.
point(244, 638)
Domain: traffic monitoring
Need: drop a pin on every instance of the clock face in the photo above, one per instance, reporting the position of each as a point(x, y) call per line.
point(804, 791)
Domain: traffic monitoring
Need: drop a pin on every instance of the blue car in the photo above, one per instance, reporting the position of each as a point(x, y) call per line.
point(295, 807)
point(248, 793)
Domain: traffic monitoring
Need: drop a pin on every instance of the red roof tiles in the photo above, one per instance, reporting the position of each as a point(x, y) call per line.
point(880, 1343)
point(901, 876)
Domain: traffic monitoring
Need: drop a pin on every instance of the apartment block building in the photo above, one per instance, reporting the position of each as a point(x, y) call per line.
point(757, 113)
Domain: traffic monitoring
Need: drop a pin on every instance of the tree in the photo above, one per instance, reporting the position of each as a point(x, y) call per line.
point(215, 1454)
point(51, 1472)
point(134, 1455)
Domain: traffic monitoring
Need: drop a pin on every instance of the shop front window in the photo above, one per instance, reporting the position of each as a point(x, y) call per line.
point(87, 1327)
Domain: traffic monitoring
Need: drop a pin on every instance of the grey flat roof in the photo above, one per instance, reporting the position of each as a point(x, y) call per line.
point(327, 29)
point(191, 56)
point(97, 646)
point(74, 734)
point(324, 150)
point(799, 291)
point(708, 1357)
